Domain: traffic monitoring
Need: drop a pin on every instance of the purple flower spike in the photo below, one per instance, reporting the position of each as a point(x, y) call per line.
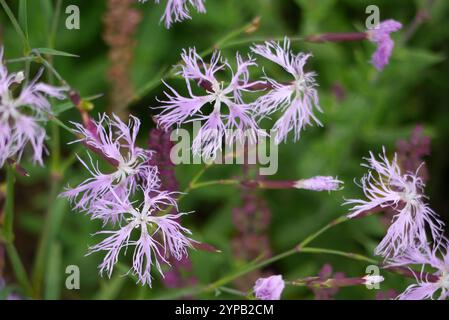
point(236, 123)
point(116, 141)
point(381, 36)
point(20, 116)
point(428, 286)
point(297, 100)
point(386, 187)
point(269, 288)
point(178, 10)
point(158, 237)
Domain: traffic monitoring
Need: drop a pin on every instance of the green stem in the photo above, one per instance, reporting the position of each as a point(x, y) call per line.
point(48, 233)
point(315, 235)
point(9, 205)
point(18, 268)
point(8, 233)
point(349, 255)
point(222, 182)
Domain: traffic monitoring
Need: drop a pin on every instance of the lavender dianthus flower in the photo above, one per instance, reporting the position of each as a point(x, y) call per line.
point(20, 116)
point(297, 100)
point(380, 35)
point(386, 187)
point(236, 123)
point(428, 284)
point(269, 288)
point(159, 236)
point(177, 10)
point(116, 141)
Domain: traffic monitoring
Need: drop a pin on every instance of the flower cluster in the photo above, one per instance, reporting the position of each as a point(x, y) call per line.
point(109, 198)
point(240, 120)
point(415, 236)
point(178, 10)
point(21, 115)
point(428, 286)
point(385, 186)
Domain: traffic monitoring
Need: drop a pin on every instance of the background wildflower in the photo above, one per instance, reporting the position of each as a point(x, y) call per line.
point(380, 35)
point(385, 186)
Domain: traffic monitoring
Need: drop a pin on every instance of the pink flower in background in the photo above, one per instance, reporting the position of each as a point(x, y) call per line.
point(381, 37)
point(235, 123)
point(158, 237)
point(178, 10)
point(297, 100)
point(21, 116)
point(116, 141)
point(386, 187)
point(269, 288)
point(428, 286)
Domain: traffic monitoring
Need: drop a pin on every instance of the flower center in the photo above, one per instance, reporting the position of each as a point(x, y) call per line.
point(126, 169)
point(410, 195)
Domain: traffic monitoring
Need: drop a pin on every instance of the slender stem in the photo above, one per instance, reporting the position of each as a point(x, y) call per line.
point(9, 205)
point(16, 25)
point(8, 233)
point(349, 255)
point(213, 183)
point(40, 263)
point(18, 268)
point(315, 235)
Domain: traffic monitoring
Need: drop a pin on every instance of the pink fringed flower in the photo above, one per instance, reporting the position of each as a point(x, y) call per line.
point(116, 142)
point(155, 238)
point(381, 37)
point(20, 116)
point(297, 100)
point(236, 123)
point(431, 285)
point(269, 288)
point(386, 187)
point(178, 10)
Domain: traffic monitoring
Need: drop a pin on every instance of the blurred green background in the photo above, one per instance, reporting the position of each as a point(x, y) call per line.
point(363, 110)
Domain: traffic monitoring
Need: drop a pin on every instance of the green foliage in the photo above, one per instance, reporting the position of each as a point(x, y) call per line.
point(377, 110)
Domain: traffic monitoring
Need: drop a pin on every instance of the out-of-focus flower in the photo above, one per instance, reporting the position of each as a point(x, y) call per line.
point(178, 10)
point(180, 274)
point(297, 100)
point(386, 187)
point(21, 115)
point(269, 288)
point(411, 152)
point(116, 141)
point(326, 273)
point(121, 21)
point(380, 35)
point(431, 285)
point(237, 123)
point(148, 251)
point(252, 222)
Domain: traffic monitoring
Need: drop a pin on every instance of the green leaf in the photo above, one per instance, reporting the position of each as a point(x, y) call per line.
point(23, 16)
point(54, 52)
